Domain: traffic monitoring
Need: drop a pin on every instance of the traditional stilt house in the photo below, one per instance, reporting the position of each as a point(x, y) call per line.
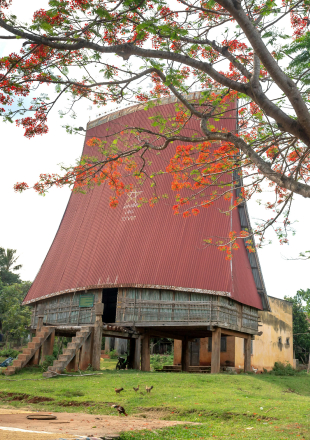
point(140, 272)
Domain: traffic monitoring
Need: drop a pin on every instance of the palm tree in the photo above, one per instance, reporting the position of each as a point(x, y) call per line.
point(8, 259)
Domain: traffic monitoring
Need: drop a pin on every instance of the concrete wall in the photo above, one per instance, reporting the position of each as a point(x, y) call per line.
point(266, 348)
point(227, 357)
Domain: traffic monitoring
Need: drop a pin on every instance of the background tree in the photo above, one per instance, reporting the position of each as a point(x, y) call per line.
point(7, 268)
point(231, 49)
point(14, 318)
point(301, 324)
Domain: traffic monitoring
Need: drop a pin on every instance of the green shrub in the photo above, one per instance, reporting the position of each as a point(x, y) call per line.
point(48, 361)
point(9, 352)
point(281, 369)
point(113, 354)
point(159, 360)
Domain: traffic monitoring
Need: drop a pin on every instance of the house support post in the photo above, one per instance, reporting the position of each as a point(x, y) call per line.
point(36, 358)
point(137, 354)
point(107, 342)
point(73, 365)
point(216, 351)
point(247, 354)
point(185, 354)
point(131, 355)
point(48, 345)
point(97, 342)
point(145, 357)
point(86, 353)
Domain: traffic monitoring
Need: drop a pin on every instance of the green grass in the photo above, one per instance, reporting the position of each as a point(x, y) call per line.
point(236, 406)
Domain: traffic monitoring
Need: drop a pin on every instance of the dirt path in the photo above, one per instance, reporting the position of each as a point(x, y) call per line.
point(70, 424)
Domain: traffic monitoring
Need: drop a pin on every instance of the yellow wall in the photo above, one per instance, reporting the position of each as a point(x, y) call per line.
point(226, 356)
point(266, 348)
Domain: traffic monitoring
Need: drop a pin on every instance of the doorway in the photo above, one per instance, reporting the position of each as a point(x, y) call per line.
point(109, 299)
point(195, 352)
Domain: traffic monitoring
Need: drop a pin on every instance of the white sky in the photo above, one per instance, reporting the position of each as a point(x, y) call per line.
point(29, 222)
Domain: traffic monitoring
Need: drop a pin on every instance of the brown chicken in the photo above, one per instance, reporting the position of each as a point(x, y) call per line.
point(136, 389)
point(148, 389)
point(118, 390)
point(120, 409)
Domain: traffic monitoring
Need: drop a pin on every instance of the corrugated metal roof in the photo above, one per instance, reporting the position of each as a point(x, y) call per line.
point(97, 246)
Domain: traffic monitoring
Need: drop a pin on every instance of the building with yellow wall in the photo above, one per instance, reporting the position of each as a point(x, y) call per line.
point(273, 344)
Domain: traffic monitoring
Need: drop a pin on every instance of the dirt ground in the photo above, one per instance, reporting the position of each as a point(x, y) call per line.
point(72, 425)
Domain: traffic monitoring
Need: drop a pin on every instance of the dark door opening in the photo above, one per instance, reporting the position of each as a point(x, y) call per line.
point(195, 350)
point(109, 299)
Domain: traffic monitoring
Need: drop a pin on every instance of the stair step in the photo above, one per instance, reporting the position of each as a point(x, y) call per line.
point(55, 369)
point(69, 351)
point(22, 357)
point(9, 372)
point(28, 351)
point(77, 339)
point(10, 368)
point(17, 363)
point(48, 374)
point(33, 345)
point(41, 334)
point(64, 357)
point(58, 364)
point(37, 340)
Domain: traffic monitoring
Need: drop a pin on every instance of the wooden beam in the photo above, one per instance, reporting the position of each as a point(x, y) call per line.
point(216, 351)
point(185, 354)
point(247, 354)
point(119, 334)
point(227, 332)
point(145, 356)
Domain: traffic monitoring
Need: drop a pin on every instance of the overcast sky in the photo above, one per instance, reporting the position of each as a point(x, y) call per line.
point(29, 222)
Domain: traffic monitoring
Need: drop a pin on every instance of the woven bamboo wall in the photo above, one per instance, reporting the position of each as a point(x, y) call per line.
point(151, 306)
point(65, 310)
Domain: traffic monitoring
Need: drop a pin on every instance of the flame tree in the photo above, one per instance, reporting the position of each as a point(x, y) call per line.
point(233, 51)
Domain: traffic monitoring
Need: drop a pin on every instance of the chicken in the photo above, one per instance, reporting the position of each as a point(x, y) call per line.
point(118, 390)
point(148, 389)
point(120, 409)
point(136, 389)
point(255, 370)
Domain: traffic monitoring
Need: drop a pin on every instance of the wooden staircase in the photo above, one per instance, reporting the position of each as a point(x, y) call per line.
point(64, 359)
point(25, 357)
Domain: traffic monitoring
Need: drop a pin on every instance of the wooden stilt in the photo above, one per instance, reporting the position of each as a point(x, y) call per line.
point(185, 354)
point(48, 345)
point(247, 354)
point(131, 355)
point(36, 358)
point(137, 354)
point(107, 344)
point(145, 357)
point(86, 354)
point(177, 352)
point(97, 337)
point(216, 351)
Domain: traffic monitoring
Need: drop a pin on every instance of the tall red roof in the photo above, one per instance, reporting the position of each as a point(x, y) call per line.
point(96, 246)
